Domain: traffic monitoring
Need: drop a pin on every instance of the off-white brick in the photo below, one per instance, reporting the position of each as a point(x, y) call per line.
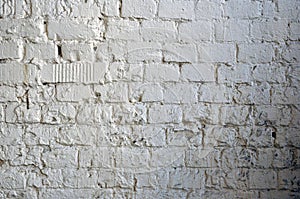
point(161, 72)
point(232, 30)
point(180, 53)
point(295, 31)
point(44, 51)
point(242, 9)
point(238, 74)
point(123, 29)
point(113, 92)
point(198, 72)
point(165, 114)
point(207, 9)
point(73, 93)
point(270, 30)
point(179, 9)
point(263, 179)
point(12, 73)
point(195, 31)
point(10, 50)
point(216, 52)
point(148, 92)
point(66, 29)
point(158, 30)
point(77, 52)
point(180, 93)
point(255, 53)
point(133, 8)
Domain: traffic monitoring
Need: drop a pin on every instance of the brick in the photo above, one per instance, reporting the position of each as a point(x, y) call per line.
point(15, 9)
point(73, 93)
point(10, 134)
point(84, 72)
point(134, 8)
point(168, 193)
point(7, 94)
point(275, 115)
point(10, 50)
point(165, 114)
point(65, 157)
point(77, 52)
point(198, 72)
point(12, 73)
point(2, 116)
point(295, 29)
point(146, 92)
point(155, 179)
point(232, 30)
point(178, 178)
point(12, 180)
point(207, 9)
point(269, 73)
point(242, 9)
point(180, 53)
point(285, 95)
point(202, 158)
point(288, 179)
point(237, 74)
point(270, 30)
point(180, 93)
point(26, 28)
point(100, 157)
point(195, 31)
point(236, 115)
point(65, 193)
point(249, 94)
point(288, 10)
point(216, 52)
point(44, 51)
point(215, 93)
point(130, 114)
point(167, 156)
point(66, 29)
point(180, 9)
point(90, 114)
point(161, 72)
point(149, 135)
point(123, 29)
point(291, 53)
point(132, 158)
point(119, 71)
point(58, 113)
point(113, 92)
point(40, 134)
point(262, 179)
point(255, 53)
point(111, 7)
point(155, 30)
point(200, 112)
point(141, 52)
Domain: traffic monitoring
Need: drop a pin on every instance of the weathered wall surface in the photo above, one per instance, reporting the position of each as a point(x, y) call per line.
point(149, 99)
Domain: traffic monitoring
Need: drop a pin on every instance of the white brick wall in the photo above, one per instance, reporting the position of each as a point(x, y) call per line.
point(149, 99)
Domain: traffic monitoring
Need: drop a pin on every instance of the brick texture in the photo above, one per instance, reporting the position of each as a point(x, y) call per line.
point(149, 99)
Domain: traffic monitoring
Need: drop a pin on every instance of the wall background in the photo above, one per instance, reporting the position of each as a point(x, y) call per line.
point(149, 99)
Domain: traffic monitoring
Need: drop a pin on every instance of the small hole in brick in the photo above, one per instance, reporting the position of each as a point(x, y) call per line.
point(274, 135)
point(59, 51)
